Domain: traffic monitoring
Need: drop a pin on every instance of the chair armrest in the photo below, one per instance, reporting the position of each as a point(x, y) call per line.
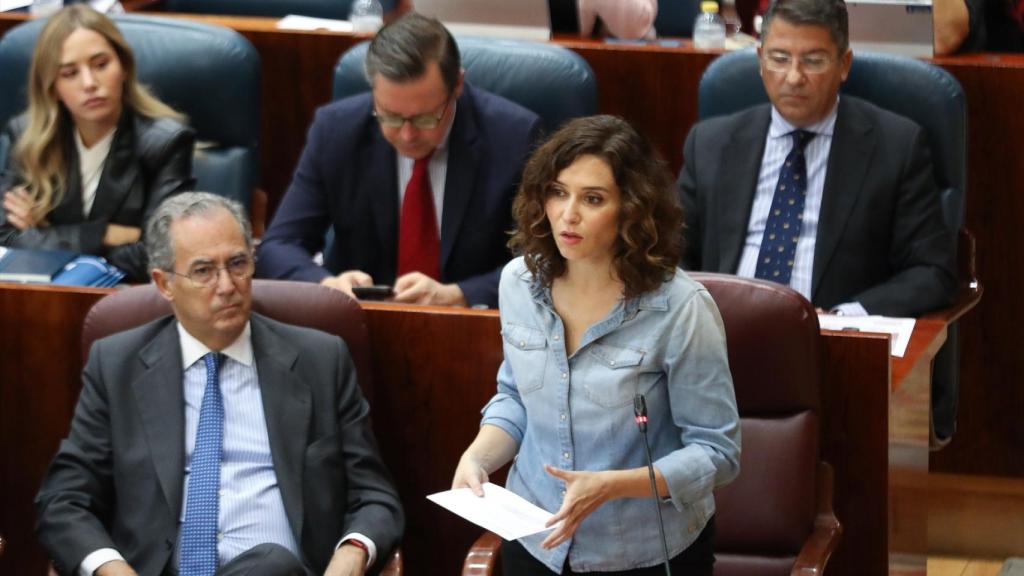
point(970, 289)
point(827, 529)
point(482, 556)
point(394, 566)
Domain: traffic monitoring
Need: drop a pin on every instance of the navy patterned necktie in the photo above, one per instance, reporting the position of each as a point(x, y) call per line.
point(782, 230)
point(198, 554)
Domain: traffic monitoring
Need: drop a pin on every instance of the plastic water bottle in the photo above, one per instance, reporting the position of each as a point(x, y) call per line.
point(45, 8)
point(366, 16)
point(709, 29)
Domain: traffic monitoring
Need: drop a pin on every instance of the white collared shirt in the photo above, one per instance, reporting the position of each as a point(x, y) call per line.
point(778, 144)
point(90, 165)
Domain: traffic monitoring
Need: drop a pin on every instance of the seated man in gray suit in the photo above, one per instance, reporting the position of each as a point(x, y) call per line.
point(828, 194)
point(216, 440)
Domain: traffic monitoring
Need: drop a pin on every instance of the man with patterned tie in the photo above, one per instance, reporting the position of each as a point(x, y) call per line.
point(826, 193)
point(216, 441)
point(416, 178)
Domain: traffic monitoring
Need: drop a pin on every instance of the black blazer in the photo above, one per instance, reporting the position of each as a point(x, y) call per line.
point(149, 161)
point(881, 238)
point(117, 480)
point(347, 178)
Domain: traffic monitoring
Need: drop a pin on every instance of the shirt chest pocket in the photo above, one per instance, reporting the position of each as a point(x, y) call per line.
point(526, 351)
point(610, 375)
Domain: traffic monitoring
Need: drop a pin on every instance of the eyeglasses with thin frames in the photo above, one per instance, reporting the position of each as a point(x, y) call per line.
point(420, 121)
point(778, 61)
point(205, 275)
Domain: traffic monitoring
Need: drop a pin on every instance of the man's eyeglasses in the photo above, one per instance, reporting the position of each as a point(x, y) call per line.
point(204, 275)
point(775, 61)
point(420, 121)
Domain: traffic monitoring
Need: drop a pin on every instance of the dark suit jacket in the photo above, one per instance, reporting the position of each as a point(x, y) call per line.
point(149, 161)
point(881, 238)
point(117, 479)
point(347, 178)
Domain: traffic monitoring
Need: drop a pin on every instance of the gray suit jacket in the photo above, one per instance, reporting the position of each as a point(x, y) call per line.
point(881, 238)
point(117, 479)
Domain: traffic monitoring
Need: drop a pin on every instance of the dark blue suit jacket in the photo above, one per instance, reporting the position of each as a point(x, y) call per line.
point(347, 178)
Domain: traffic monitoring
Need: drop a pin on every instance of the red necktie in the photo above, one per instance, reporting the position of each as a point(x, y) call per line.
point(419, 244)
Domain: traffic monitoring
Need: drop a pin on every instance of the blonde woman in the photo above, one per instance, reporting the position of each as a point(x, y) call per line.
point(95, 153)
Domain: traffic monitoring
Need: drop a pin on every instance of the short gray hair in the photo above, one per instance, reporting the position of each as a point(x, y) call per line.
point(402, 50)
point(160, 247)
point(829, 14)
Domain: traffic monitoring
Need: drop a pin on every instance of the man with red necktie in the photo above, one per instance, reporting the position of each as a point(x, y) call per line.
point(416, 178)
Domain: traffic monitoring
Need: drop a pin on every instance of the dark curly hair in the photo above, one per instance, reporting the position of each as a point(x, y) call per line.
point(650, 243)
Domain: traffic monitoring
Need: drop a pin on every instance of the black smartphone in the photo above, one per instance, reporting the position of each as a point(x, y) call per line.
point(378, 292)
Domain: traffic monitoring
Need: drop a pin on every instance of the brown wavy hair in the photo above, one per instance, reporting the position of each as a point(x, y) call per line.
point(39, 153)
point(650, 244)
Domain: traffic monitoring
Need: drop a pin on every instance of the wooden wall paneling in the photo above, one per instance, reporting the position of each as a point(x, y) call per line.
point(40, 352)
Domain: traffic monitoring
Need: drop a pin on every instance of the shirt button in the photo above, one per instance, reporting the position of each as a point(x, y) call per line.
point(564, 375)
point(556, 337)
point(565, 455)
point(611, 362)
point(561, 416)
point(220, 536)
point(221, 492)
point(522, 344)
point(563, 493)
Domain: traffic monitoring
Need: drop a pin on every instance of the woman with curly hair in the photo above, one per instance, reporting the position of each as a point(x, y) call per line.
point(95, 153)
point(594, 312)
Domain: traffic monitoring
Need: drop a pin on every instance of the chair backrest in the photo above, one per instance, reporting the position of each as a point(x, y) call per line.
point(923, 92)
point(300, 303)
point(765, 516)
point(335, 9)
point(210, 73)
point(676, 17)
point(554, 82)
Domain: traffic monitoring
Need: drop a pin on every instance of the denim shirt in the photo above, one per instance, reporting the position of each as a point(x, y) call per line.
point(576, 413)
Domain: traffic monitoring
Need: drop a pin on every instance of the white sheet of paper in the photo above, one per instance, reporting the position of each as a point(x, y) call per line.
point(6, 5)
point(500, 511)
point(899, 328)
point(296, 22)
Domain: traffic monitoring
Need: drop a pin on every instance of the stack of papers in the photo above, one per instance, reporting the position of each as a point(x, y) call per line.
point(296, 22)
point(899, 328)
point(500, 511)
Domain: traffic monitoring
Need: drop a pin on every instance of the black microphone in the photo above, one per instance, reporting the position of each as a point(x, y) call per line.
point(640, 414)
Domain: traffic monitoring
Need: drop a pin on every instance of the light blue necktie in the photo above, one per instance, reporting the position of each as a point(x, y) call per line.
point(782, 229)
point(198, 554)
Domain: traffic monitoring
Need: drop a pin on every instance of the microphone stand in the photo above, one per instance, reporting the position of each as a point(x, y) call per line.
point(640, 414)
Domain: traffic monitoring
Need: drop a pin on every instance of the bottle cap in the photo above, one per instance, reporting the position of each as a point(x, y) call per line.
point(709, 6)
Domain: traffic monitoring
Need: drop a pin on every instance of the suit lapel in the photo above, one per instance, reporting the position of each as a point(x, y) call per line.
point(737, 180)
point(287, 406)
point(460, 179)
point(158, 387)
point(70, 207)
point(120, 172)
point(849, 159)
point(380, 187)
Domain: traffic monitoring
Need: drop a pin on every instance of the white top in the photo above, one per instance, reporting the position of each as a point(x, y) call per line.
point(90, 164)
